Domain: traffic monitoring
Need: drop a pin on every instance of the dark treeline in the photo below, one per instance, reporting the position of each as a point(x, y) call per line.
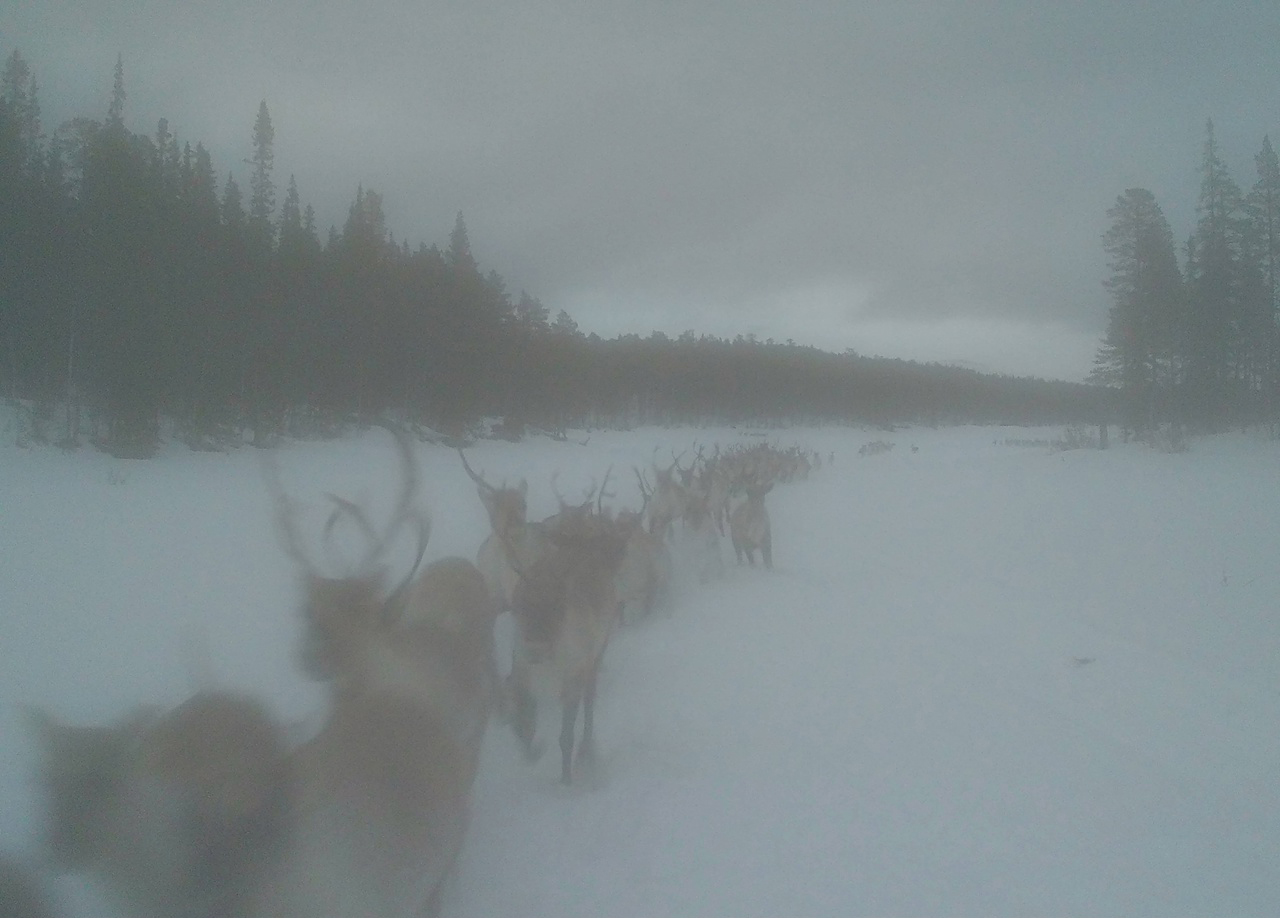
point(1197, 344)
point(136, 283)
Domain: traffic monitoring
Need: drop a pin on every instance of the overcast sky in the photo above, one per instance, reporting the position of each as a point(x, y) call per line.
point(926, 180)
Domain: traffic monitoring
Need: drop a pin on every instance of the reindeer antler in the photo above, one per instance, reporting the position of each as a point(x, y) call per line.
point(555, 489)
point(479, 480)
point(286, 516)
point(404, 512)
point(587, 496)
point(602, 494)
point(645, 491)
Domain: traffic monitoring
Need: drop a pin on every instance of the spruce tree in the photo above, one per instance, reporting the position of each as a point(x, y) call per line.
point(1212, 344)
point(233, 217)
point(115, 111)
point(20, 137)
point(291, 214)
point(1138, 353)
point(459, 254)
point(1262, 207)
point(262, 191)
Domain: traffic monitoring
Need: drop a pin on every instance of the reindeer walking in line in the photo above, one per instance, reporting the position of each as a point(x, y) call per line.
point(749, 527)
point(566, 606)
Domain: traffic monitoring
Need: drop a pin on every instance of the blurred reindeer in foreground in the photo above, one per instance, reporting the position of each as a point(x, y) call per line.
point(204, 811)
point(383, 790)
point(182, 814)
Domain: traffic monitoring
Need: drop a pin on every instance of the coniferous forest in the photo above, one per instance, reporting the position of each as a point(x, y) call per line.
point(140, 282)
point(1196, 344)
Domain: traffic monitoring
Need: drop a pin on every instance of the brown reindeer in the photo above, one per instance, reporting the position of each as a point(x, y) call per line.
point(644, 577)
point(749, 526)
point(715, 483)
point(382, 791)
point(185, 813)
point(513, 541)
point(702, 536)
point(667, 503)
point(203, 811)
point(566, 606)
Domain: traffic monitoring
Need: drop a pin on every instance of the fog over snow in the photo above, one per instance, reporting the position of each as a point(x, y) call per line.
point(985, 677)
point(926, 179)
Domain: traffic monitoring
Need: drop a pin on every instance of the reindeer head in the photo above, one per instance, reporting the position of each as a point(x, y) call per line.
point(505, 506)
point(598, 540)
point(570, 515)
point(686, 475)
point(341, 611)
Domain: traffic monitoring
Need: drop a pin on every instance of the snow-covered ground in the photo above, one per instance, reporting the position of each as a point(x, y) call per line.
point(985, 678)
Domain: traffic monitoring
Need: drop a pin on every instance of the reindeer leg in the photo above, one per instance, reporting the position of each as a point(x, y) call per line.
point(572, 698)
point(587, 748)
point(766, 550)
point(524, 710)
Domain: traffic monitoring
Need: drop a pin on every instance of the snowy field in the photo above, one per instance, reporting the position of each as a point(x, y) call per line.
point(985, 678)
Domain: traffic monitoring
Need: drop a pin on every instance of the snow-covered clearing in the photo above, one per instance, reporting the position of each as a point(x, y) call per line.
point(983, 678)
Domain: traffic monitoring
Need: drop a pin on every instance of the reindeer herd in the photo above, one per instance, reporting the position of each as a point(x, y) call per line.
point(209, 811)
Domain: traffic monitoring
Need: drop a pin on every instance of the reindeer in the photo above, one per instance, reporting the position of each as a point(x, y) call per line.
point(749, 525)
point(181, 814)
point(203, 811)
point(448, 610)
point(644, 577)
point(513, 541)
point(566, 605)
point(701, 533)
point(717, 485)
point(382, 791)
point(668, 501)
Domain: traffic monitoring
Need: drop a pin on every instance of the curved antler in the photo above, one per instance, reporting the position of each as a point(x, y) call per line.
point(479, 480)
point(403, 513)
point(286, 517)
point(602, 493)
point(645, 491)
